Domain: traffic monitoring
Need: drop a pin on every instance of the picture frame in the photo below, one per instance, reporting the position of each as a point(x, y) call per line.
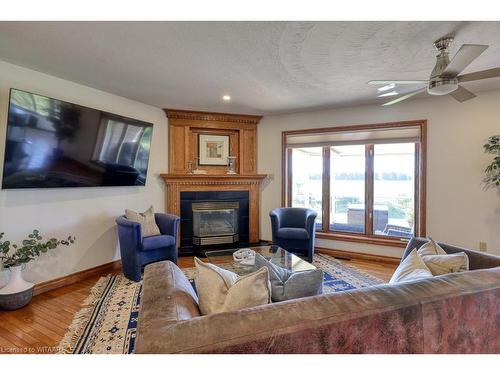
point(213, 149)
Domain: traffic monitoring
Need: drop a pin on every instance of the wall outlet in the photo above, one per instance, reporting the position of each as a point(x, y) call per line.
point(483, 246)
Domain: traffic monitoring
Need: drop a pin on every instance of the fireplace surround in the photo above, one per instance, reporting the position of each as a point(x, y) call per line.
point(212, 218)
point(183, 134)
point(182, 188)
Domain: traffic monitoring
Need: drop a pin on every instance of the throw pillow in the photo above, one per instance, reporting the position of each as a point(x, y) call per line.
point(431, 248)
point(442, 264)
point(286, 284)
point(220, 290)
point(411, 268)
point(147, 221)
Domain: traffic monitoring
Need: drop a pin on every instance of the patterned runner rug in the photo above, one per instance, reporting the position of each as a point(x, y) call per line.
point(108, 320)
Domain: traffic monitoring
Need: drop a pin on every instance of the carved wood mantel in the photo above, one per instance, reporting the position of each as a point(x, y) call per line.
point(184, 127)
point(177, 183)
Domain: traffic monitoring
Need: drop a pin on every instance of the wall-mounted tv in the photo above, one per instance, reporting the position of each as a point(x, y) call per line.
point(52, 144)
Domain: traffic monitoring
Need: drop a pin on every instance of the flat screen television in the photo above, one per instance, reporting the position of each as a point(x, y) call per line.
point(52, 144)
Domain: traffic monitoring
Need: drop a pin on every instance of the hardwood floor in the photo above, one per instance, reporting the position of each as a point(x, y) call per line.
point(38, 327)
point(383, 271)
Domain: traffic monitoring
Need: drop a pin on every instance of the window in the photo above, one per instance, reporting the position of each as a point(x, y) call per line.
point(347, 188)
point(366, 182)
point(394, 189)
point(307, 180)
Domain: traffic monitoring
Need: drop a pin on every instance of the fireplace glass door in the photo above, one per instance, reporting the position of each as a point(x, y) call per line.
point(215, 223)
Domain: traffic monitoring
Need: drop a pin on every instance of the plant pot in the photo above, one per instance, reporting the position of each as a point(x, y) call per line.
point(18, 292)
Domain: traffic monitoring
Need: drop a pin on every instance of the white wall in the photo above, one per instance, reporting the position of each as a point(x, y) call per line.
point(87, 213)
point(458, 210)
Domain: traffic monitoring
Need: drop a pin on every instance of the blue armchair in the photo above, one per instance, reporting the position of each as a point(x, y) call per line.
point(294, 229)
point(137, 251)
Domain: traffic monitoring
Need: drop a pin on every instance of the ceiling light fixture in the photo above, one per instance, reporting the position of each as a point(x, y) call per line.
point(442, 86)
point(390, 93)
point(226, 98)
point(387, 87)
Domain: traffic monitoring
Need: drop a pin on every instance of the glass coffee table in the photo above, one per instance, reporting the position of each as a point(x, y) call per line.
point(275, 254)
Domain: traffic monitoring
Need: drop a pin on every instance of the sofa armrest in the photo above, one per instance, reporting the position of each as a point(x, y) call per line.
point(167, 223)
point(477, 260)
point(275, 216)
point(129, 232)
point(167, 299)
point(310, 221)
point(275, 223)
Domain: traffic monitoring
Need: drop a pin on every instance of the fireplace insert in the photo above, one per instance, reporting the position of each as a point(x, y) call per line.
point(215, 223)
point(221, 220)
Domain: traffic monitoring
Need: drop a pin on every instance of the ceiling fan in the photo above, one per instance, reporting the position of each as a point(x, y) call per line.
point(445, 78)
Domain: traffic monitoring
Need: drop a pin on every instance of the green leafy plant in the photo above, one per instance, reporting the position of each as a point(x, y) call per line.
point(12, 255)
point(492, 171)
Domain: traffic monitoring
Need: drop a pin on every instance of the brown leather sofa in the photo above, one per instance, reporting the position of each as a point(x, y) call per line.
point(453, 313)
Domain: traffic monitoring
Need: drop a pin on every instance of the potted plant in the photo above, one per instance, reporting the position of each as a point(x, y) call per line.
point(18, 292)
point(492, 171)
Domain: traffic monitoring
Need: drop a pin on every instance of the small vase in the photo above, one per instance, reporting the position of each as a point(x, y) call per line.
point(18, 292)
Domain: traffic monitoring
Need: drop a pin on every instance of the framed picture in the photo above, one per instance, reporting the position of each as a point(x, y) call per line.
point(213, 149)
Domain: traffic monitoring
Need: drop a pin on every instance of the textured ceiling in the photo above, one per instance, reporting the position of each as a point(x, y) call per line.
point(267, 67)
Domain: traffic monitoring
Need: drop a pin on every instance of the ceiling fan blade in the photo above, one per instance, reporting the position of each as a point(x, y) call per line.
point(462, 94)
point(483, 74)
point(465, 55)
point(404, 97)
point(396, 82)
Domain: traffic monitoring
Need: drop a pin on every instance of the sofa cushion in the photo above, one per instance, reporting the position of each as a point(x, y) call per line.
point(442, 264)
point(220, 290)
point(286, 284)
point(477, 260)
point(411, 268)
point(431, 248)
point(156, 242)
point(146, 219)
point(293, 233)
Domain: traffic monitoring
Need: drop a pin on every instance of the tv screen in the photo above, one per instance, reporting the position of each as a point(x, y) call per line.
point(51, 143)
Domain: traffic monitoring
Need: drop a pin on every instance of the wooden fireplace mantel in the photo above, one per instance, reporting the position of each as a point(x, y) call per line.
point(177, 183)
point(213, 179)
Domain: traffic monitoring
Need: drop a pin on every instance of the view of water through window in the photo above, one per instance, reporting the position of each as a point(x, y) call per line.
point(307, 176)
point(393, 187)
point(347, 188)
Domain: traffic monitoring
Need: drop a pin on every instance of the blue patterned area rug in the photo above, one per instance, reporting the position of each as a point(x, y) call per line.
point(339, 276)
point(108, 320)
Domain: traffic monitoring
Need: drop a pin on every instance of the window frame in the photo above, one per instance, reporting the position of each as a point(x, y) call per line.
point(367, 237)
